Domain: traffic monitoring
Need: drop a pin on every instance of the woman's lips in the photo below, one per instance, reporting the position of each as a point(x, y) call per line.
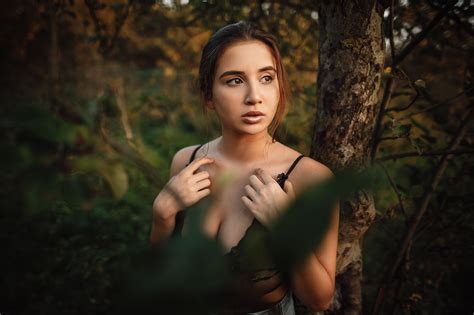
point(252, 119)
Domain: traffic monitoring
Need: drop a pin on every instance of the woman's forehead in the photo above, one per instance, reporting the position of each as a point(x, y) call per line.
point(245, 55)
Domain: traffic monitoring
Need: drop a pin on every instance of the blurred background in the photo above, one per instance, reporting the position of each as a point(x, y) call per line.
point(97, 96)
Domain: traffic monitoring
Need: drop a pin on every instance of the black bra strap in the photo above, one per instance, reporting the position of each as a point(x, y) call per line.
point(282, 177)
point(294, 164)
point(194, 154)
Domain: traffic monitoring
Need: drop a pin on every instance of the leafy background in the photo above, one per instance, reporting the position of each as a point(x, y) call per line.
point(97, 96)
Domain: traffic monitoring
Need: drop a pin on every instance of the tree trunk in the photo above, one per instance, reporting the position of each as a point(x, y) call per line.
point(351, 60)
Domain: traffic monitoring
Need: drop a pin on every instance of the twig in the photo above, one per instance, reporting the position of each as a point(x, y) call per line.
point(402, 108)
point(125, 150)
point(117, 87)
point(118, 27)
point(378, 122)
point(397, 192)
point(416, 218)
point(443, 103)
point(416, 153)
point(391, 137)
point(454, 17)
point(390, 33)
point(422, 35)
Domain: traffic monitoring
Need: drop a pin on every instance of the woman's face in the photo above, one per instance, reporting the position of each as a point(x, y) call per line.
point(245, 81)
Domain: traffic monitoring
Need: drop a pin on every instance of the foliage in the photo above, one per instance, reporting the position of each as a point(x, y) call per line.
point(97, 96)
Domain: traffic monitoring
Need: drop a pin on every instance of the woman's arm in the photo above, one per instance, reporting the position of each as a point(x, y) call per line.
point(314, 281)
point(188, 185)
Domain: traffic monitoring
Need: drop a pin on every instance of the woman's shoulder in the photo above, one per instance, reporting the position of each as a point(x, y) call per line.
point(181, 158)
point(307, 169)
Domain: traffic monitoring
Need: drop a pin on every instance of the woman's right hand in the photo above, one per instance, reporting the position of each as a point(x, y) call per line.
point(184, 189)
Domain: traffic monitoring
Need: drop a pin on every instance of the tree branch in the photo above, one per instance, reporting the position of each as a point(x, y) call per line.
point(125, 150)
point(423, 34)
point(387, 93)
point(440, 104)
point(416, 153)
point(416, 218)
point(397, 192)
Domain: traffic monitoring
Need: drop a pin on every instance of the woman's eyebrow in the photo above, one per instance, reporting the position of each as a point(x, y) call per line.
point(235, 72)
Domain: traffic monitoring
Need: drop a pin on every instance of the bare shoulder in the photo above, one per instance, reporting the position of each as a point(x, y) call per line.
point(181, 159)
point(309, 171)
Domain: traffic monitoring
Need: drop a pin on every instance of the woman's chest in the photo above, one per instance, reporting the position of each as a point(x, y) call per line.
point(227, 218)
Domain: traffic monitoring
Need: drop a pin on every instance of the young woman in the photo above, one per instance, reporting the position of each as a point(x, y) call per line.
point(242, 79)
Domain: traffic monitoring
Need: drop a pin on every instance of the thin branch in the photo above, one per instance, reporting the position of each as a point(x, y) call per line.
point(118, 27)
point(423, 34)
point(391, 138)
point(397, 192)
point(454, 17)
point(378, 122)
point(402, 108)
point(390, 33)
point(125, 150)
point(416, 153)
point(99, 27)
point(440, 104)
point(117, 88)
point(416, 218)
point(435, 217)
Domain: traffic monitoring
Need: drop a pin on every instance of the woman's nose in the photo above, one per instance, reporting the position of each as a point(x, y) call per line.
point(253, 95)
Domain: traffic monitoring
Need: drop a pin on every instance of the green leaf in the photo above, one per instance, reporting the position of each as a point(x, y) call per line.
point(43, 124)
point(305, 223)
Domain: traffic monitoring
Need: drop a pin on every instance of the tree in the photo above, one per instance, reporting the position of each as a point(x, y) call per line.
point(351, 60)
point(350, 122)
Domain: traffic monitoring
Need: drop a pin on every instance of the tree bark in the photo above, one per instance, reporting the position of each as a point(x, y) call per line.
point(351, 60)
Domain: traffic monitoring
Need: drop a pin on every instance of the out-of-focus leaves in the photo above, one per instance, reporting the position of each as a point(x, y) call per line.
point(42, 124)
point(112, 171)
point(302, 227)
point(184, 275)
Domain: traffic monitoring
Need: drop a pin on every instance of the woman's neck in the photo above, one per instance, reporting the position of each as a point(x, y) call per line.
point(244, 149)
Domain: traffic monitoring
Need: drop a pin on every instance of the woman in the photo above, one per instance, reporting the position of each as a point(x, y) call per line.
point(242, 79)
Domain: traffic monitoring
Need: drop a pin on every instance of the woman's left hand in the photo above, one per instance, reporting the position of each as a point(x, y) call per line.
point(265, 198)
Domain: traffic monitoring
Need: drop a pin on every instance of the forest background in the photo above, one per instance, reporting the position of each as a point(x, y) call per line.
point(97, 96)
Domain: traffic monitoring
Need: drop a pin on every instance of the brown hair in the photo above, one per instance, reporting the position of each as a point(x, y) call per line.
point(223, 38)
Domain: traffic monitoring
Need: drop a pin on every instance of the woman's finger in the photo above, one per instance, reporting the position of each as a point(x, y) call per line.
point(248, 203)
point(265, 177)
point(202, 184)
point(193, 167)
point(255, 182)
point(203, 193)
point(199, 176)
point(250, 192)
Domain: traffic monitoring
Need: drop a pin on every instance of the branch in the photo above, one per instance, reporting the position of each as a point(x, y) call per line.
point(391, 137)
point(443, 103)
point(422, 35)
point(414, 88)
point(454, 17)
point(99, 27)
point(125, 150)
point(417, 154)
point(397, 192)
point(416, 218)
point(118, 27)
point(390, 33)
point(387, 93)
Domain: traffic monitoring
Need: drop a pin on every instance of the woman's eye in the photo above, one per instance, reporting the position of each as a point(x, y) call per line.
point(267, 79)
point(234, 81)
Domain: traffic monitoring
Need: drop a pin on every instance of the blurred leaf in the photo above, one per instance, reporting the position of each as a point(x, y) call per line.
point(302, 227)
point(43, 124)
point(112, 171)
